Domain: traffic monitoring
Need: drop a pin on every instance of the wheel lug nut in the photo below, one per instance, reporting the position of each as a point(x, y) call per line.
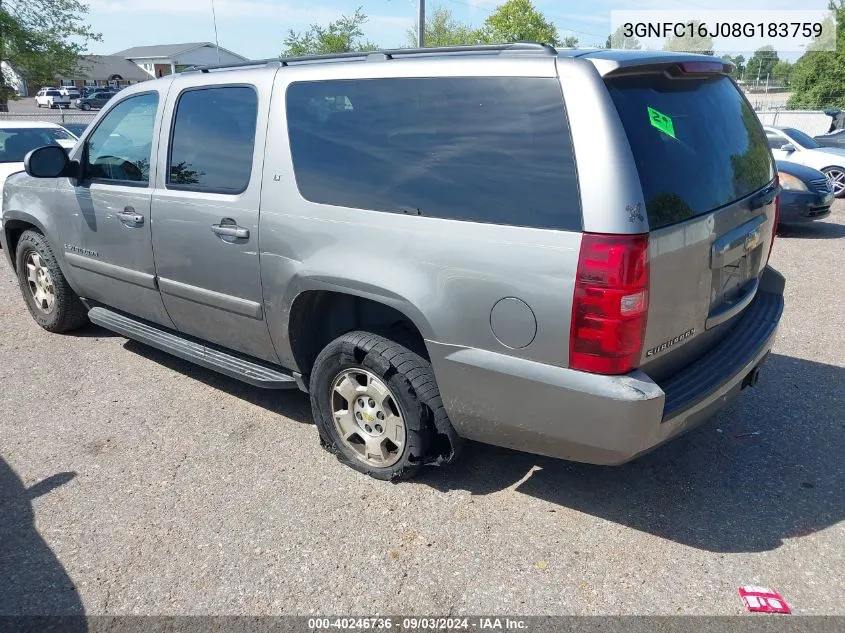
point(360, 402)
point(378, 428)
point(372, 402)
point(358, 415)
point(380, 415)
point(368, 428)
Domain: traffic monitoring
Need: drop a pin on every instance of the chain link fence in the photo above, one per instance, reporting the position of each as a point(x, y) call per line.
point(59, 116)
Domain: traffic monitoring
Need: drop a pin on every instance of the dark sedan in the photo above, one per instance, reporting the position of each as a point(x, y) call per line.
point(94, 100)
point(806, 193)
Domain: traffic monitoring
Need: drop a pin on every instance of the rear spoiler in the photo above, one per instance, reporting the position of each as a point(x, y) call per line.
point(613, 62)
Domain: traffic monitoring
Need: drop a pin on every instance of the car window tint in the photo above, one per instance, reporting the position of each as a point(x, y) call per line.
point(697, 143)
point(119, 149)
point(213, 140)
point(16, 143)
point(802, 139)
point(776, 141)
point(481, 149)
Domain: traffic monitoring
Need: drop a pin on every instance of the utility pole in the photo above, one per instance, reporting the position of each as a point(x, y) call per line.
point(421, 29)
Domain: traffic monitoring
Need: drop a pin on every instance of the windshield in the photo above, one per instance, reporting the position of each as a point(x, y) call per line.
point(18, 142)
point(802, 139)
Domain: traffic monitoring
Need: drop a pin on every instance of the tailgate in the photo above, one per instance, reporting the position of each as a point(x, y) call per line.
point(707, 177)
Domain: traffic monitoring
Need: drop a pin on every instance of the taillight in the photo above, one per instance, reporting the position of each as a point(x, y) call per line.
point(610, 305)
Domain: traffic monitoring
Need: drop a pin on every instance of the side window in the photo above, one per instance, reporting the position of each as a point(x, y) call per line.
point(481, 149)
point(776, 141)
point(119, 149)
point(213, 138)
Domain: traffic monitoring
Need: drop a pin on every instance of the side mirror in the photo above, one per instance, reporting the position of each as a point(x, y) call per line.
point(50, 161)
point(789, 147)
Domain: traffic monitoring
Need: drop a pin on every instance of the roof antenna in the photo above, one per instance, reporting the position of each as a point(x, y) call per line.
point(216, 43)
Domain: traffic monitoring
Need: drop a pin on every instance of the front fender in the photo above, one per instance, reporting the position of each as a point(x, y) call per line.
point(27, 202)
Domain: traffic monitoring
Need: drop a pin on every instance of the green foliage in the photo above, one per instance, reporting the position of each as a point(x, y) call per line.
point(739, 64)
point(442, 29)
point(619, 40)
point(341, 36)
point(761, 64)
point(817, 79)
point(782, 72)
point(690, 43)
point(520, 21)
point(43, 39)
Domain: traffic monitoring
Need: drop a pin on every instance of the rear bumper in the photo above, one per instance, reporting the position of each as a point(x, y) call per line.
point(583, 417)
point(804, 206)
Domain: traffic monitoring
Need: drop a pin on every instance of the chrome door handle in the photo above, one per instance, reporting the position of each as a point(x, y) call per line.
point(128, 215)
point(230, 229)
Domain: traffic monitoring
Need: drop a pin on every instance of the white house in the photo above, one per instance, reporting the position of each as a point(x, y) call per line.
point(13, 79)
point(165, 59)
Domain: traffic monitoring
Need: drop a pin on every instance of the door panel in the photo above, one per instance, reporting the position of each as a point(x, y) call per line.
point(110, 245)
point(205, 211)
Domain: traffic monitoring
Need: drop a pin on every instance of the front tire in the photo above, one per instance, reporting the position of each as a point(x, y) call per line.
point(85, 107)
point(836, 178)
point(49, 298)
point(373, 402)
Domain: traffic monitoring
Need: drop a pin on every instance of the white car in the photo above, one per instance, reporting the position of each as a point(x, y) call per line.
point(794, 146)
point(17, 138)
point(71, 92)
point(52, 98)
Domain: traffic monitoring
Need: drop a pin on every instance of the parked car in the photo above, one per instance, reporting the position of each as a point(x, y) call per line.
point(831, 139)
point(94, 100)
point(806, 193)
point(76, 129)
point(51, 98)
point(17, 138)
point(432, 266)
point(70, 92)
point(793, 145)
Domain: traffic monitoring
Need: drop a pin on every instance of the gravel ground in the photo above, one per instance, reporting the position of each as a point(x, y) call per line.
point(134, 483)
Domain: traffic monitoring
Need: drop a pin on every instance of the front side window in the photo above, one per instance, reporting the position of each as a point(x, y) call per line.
point(120, 148)
point(213, 140)
point(802, 139)
point(18, 142)
point(493, 150)
point(776, 141)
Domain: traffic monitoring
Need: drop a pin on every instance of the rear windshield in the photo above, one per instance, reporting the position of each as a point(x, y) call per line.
point(697, 144)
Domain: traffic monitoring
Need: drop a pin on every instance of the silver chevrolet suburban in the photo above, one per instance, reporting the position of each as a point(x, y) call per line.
point(559, 252)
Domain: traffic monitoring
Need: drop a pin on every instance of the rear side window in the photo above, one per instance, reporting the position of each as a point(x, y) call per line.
point(480, 149)
point(213, 138)
point(697, 144)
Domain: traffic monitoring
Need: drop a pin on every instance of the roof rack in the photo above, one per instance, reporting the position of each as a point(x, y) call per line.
point(383, 55)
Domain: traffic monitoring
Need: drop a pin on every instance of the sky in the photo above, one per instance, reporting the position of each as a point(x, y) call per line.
point(257, 28)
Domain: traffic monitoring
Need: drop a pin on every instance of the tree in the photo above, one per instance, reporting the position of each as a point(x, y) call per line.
point(782, 72)
point(520, 21)
point(620, 40)
point(761, 63)
point(818, 77)
point(41, 40)
point(442, 29)
point(739, 65)
point(341, 36)
point(691, 42)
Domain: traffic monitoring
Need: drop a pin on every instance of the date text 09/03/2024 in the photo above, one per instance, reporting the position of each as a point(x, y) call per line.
point(417, 623)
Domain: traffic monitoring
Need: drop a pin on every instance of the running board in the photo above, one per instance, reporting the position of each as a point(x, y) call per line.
point(187, 349)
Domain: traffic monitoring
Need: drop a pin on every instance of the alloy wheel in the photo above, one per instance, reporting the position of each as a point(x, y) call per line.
point(367, 417)
point(40, 283)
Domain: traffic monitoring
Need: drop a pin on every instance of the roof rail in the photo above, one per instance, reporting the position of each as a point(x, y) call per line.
point(379, 55)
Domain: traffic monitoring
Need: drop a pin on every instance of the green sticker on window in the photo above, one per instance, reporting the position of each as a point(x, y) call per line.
point(661, 122)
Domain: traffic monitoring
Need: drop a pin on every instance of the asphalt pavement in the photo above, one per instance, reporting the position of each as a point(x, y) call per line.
point(134, 483)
